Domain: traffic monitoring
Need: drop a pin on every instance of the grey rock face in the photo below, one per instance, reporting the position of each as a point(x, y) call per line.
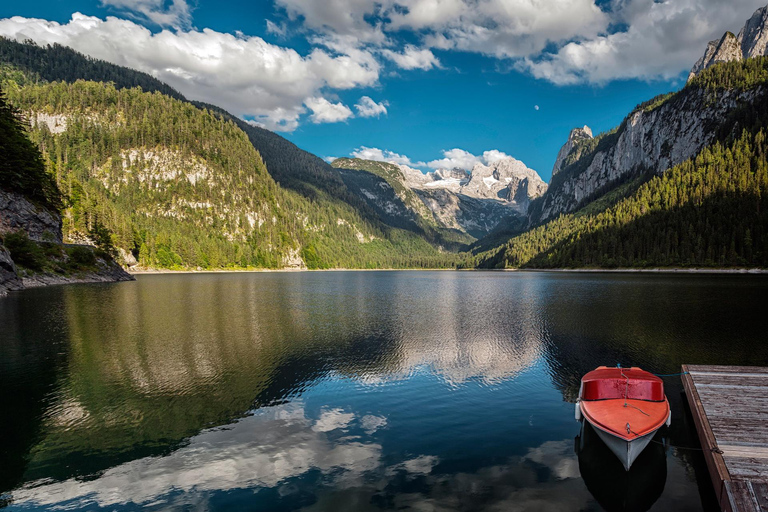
point(752, 41)
point(476, 217)
point(576, 136)
point(9, 279)
point(651, 140)
point(726, 49)
point(16, 212)
point(754, 35)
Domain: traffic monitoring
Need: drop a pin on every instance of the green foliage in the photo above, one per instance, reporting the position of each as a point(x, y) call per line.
point(708, 211)
point(735, 75)
point(61, 63)
point(82, 256)
point(22, 169)
point(25, 252)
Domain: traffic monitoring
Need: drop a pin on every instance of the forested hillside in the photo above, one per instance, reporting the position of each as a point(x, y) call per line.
point(61, 63)
point(184, 185)
point(179, 187)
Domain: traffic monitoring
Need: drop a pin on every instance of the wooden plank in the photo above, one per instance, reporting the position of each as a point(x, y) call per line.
point(752, 379)
point(718, 471)
point(743, 450)
point(738, 497)
point(747, 468)
point(761, 495)
point(726, 368)
point(739, 430)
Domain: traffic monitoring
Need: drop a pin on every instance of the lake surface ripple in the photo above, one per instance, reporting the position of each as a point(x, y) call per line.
point(353, 391)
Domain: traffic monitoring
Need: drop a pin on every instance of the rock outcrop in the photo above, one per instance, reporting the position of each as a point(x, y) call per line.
point(577, 135)
point(43, 226)
point(726, 49)
point(17, 212)
point(754, 35)
point(9, 279)
point(752, 41)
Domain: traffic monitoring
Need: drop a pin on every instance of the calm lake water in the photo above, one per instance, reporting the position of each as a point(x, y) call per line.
point(353, 391)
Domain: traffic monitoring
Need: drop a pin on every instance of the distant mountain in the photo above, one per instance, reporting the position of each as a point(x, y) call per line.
point(474, 203)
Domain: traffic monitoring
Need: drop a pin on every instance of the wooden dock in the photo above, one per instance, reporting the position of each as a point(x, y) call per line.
point(730, 408)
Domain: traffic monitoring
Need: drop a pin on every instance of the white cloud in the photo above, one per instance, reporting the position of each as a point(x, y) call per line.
point(323, 111)
point(413, 58)
point(243, 74)
point(274, 28)
point(662, 39)
point(366, 107)
point(452, 158)
point(339, 17)
point(535, 107)
point(178, 14)
point(366, 153)
point(562, 41)
point(494, 155)
point(455, 159)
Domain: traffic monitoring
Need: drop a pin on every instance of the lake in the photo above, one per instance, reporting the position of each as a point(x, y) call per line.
point(354, 391)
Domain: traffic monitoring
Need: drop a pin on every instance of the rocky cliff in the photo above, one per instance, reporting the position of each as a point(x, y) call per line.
point(43, 258)
point(752, 41)
point(17, 212)
point(576, 136)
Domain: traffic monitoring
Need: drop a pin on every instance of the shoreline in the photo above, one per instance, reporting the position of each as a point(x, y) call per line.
point(727, 271)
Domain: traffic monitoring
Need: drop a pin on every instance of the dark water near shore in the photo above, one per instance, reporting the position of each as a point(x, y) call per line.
point(353, 391)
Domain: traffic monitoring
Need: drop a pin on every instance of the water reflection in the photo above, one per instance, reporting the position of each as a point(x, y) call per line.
point(333, 391)
point(614, 488)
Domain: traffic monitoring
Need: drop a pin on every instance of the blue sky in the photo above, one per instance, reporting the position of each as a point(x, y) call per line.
point(406, 80)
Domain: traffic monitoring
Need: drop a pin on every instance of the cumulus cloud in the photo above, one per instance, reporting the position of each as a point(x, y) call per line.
point(366, 107)
point(562, 41)
point(460, 159)
point(379, 155)
point(412, 58)
point(455, 158)
point(662, 39)
point(323, 111)
point(177, 14)
point(244, 74)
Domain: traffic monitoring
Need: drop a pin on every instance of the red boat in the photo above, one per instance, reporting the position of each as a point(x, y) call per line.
point(626, 406)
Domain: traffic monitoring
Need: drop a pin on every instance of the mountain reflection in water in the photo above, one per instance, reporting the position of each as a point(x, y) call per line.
point(343, 390)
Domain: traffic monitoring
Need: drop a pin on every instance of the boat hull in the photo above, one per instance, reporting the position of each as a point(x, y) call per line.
point(626, 451)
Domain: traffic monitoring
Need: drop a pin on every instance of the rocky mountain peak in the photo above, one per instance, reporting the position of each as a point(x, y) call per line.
point(725, 49)
point(752, 41)
point(754, 35)
point(507, 180)
point(576, 135)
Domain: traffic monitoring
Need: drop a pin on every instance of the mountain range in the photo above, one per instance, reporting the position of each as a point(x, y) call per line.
point(159, 181)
